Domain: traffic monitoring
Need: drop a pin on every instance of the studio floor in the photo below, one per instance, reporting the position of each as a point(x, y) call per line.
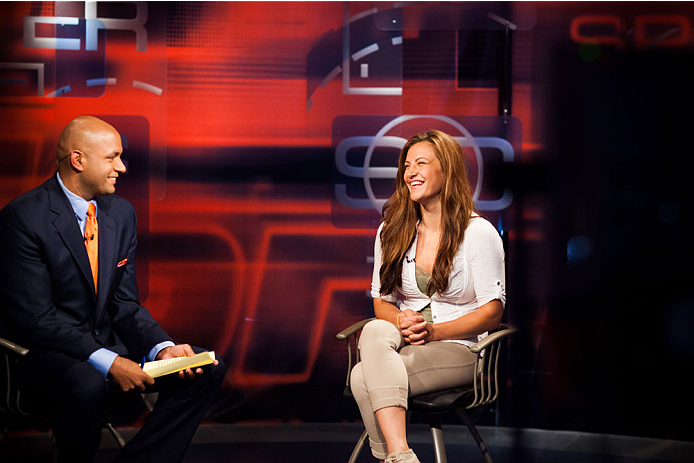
point(290, 443)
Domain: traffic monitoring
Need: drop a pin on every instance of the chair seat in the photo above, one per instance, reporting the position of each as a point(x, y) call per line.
point(436, 402)
point(441, 401)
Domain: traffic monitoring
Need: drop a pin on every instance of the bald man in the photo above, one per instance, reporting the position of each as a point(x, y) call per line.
point(85, 328)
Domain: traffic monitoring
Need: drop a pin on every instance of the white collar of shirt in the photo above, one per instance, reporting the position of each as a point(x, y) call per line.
point(79, 205)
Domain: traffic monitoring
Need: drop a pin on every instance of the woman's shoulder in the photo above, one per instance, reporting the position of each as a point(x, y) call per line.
point(379, 230)
point(480, 227)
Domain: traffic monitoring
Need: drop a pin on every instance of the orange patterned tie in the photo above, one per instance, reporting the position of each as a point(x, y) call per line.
point(91, 241)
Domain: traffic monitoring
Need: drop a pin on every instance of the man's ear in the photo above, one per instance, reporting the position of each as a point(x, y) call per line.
point(76, 159)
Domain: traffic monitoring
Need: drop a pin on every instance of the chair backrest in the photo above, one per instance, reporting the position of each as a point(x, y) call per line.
point(11, 353)
point(10, 404)
point(486, 382)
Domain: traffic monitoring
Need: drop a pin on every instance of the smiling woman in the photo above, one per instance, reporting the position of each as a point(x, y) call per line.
point(447, 198)
point(448, 264)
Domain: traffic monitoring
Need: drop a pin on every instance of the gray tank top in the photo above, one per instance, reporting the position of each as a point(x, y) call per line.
point(423, 278)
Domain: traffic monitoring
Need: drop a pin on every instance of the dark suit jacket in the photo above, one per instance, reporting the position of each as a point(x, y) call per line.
point(47, 295)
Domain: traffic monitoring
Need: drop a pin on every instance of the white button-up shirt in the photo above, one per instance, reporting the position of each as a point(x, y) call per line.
point(476, 277)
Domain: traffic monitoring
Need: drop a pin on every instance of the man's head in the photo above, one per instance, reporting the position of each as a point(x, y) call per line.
point(89, 162)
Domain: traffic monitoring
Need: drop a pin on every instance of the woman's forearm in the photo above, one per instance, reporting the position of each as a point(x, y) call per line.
point(472, 324)
point(386, 310)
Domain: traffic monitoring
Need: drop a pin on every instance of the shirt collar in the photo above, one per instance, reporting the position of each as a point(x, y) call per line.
point(79, 205)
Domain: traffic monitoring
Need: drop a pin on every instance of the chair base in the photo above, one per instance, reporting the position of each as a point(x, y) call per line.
point(476, 435)
point(437, 438)
point(357, 448)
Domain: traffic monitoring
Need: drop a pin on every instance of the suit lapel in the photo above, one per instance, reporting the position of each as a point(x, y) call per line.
point(107, 249)
point(66, 225)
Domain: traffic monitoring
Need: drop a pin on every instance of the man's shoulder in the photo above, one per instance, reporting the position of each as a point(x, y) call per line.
point(34, 199)
point(117, 205)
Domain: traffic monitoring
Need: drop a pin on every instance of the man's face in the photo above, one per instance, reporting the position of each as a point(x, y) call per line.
point(102, 163)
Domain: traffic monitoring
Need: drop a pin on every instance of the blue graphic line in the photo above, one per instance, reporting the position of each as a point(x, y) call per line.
point(59, 91)
point(101, 81)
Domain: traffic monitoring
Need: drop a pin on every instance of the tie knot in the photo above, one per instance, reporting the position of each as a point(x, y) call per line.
point(91, 210)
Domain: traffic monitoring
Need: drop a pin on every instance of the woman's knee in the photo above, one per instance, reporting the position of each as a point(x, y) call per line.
point(356, 381)
point(379, 331)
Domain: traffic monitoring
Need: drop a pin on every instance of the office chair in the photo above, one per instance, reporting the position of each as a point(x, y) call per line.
point(12, 413)
point(484, 389)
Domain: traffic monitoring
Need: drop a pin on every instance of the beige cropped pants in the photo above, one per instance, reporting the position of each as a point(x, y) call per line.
point(389, 370)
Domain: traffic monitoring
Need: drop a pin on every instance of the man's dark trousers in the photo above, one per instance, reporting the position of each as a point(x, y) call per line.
point(74, 393)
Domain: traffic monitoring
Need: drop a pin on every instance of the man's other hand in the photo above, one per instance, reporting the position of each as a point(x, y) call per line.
point(128, 375)
point(181, 350)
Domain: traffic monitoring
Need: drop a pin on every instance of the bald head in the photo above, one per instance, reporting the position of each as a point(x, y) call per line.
point(80, 133)
point(88, 157)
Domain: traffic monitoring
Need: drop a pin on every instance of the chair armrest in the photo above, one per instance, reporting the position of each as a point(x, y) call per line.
point(12, 347)
point(346, 335)
point(347, 332)
point(503, 331)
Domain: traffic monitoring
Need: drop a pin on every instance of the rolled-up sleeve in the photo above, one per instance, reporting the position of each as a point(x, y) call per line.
point(486, 252)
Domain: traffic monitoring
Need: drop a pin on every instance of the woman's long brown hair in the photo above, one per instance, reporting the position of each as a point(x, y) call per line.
point(401, 214)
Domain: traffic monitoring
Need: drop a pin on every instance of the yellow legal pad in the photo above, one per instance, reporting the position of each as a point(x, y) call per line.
point(164, 367)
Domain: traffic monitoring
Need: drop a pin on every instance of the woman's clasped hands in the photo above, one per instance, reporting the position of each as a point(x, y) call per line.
point(413, 327)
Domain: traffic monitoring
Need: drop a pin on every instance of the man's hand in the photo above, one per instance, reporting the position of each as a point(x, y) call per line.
point(128, 375)
point(181, 350)
point(413, 327)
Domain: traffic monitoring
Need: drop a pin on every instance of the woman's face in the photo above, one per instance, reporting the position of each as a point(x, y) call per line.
point(423, 173)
